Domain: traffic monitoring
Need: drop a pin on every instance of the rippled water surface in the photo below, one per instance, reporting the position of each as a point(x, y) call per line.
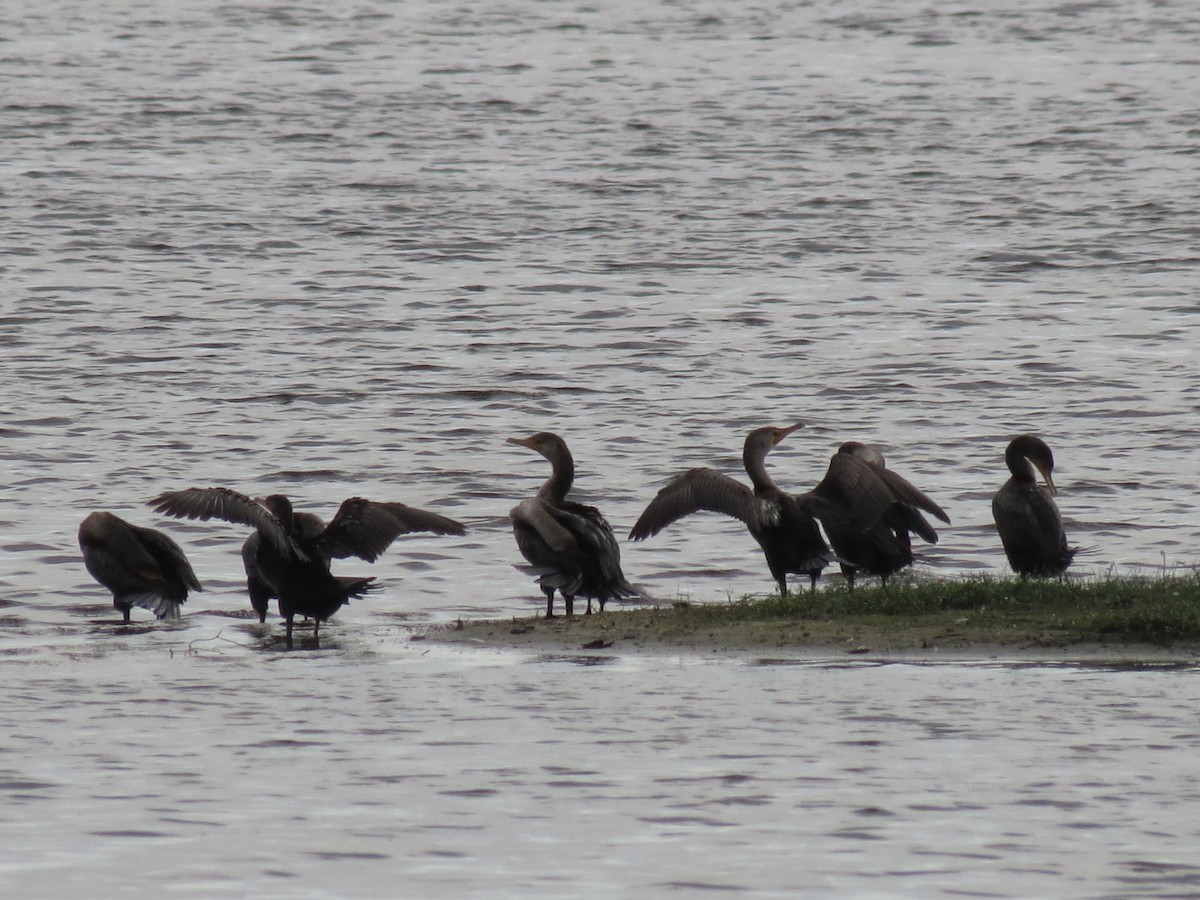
point(336, 249)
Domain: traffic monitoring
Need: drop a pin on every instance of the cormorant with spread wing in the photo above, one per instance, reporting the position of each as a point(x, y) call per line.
point(292, 563)
point(782, 523)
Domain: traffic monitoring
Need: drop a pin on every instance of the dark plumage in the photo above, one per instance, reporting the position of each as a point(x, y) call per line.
point(1027, 518)
point(307, 526)
point(782, 523)
point(881, 510)
point(141, 566)
point(569, 546)
point(291, 560)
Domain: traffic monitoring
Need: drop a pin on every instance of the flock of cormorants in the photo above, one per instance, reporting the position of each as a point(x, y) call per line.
point(868, 513)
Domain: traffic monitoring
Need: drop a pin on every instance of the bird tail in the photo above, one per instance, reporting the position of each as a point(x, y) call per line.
point(356, 587)
point(162, 607)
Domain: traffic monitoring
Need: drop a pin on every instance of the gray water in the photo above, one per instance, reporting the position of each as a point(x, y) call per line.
point(348, 249)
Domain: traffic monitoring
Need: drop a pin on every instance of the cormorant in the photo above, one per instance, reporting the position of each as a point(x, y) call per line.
point(141, 566)
point(782, 523)
point(881, 508)
point(1027, 518)
point(569, 546)
point(292, 563)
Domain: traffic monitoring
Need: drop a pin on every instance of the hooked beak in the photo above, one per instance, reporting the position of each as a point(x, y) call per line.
point(521, 442)
point(1047, 478)
point(781, 433)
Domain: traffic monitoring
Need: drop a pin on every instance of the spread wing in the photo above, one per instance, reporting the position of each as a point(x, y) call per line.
point(701, 489)
point(229, 506)
point(364, 528)
point(414, 519)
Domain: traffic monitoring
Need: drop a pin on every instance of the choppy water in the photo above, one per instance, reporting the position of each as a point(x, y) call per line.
point(348, 249)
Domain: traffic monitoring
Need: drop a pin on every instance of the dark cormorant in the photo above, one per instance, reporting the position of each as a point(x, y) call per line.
point(569, 546)
point(782, 523)
point(141, 566)
point(881, 508)
point(1026, 515)
point(291, 562)
point(307, 526)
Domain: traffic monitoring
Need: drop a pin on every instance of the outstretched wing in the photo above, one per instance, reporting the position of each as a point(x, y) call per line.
point(414, 519)
point(364, 528)
point(229, 506)
point(695, 490)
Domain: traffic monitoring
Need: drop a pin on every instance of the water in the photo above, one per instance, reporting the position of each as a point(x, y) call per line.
point(348, 249)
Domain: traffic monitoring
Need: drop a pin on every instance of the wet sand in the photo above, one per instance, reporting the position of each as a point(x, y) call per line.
point(658, 631)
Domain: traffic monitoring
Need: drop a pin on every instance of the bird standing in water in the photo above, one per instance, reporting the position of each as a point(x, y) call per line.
point(569, 546)
point(783, 524)
point(1027, 518)
point(141, 566)
point(291, 562)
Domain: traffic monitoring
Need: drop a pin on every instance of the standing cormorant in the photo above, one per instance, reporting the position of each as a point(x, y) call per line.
point(307, 526)
point(1027, 518)
point(141, 566)
point(881, 508)
point(293, 564)
point(569, 546)
point(782, 523)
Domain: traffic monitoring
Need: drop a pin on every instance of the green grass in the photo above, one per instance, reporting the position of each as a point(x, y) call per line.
point(1160, 610)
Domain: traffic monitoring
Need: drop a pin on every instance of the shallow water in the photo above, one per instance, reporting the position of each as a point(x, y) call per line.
point(220, 773)
point(336, 250)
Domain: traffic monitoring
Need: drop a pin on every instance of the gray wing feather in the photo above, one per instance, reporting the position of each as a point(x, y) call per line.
point(365, 529)
point(229, 506)
point(413, 519)
point(854, 483)
point(695, 490)
point(536, 515)
point(906, 492)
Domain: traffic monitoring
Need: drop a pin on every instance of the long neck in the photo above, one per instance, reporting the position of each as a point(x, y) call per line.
point(561, 478)
point(755, 460)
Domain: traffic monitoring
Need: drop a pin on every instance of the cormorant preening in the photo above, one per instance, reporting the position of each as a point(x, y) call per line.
point(782, 523)
point(291, 562)
point(569, 546)
point(1027, 518)
point(141, 566)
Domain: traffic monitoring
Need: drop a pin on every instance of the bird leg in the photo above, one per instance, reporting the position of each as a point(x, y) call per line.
point(569, 602)
point(589, 607)
point(289, 632)
point(549, 592)
point(316, 636)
